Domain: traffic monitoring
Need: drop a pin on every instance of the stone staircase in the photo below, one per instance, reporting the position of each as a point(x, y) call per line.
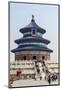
point(44, 70)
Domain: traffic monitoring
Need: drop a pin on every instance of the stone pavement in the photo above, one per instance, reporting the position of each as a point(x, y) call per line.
point(19, 83)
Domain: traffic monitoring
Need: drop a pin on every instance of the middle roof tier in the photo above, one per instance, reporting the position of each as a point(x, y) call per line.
point(32, 39)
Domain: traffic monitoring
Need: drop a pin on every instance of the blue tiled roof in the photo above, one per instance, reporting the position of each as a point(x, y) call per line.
point(31, 26)
point(32, 39)
point(31, 47)
point(27, 38)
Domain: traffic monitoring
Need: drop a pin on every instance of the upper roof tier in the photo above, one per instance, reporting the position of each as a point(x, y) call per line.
point(32, 25)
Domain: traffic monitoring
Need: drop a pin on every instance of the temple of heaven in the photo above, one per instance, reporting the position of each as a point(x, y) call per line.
point(32, 48)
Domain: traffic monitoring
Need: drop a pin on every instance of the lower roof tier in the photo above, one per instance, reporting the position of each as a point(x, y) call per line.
point(32, 39)
point(30, 47)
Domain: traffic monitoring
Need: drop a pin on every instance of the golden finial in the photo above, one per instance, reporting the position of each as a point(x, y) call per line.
point(32, 17)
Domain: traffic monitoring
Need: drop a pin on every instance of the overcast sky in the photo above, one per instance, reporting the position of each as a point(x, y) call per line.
point(46, 16)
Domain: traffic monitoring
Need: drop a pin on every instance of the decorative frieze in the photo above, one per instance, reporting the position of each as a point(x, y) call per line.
point(31, 52)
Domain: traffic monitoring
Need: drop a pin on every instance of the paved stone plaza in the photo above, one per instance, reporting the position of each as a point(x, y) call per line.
point(19, 83)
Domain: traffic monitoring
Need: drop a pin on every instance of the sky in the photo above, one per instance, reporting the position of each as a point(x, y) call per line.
point(46, 16)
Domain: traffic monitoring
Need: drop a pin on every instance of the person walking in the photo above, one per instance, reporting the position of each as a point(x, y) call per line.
point(49, 79)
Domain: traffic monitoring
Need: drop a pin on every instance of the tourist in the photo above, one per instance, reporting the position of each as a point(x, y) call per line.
point(49, 79)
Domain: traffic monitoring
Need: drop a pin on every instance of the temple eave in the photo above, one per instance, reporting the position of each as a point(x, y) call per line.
point(24, 30)
point(25, 40)
point(31, 49)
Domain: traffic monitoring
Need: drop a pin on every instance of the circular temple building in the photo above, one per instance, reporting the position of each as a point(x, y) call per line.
point(32, 48)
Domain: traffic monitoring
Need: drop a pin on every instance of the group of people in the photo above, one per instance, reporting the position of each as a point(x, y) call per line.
point(48, 75)
point(52, 77)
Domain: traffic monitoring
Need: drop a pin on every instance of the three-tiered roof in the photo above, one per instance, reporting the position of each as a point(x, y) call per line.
point(32, 38)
